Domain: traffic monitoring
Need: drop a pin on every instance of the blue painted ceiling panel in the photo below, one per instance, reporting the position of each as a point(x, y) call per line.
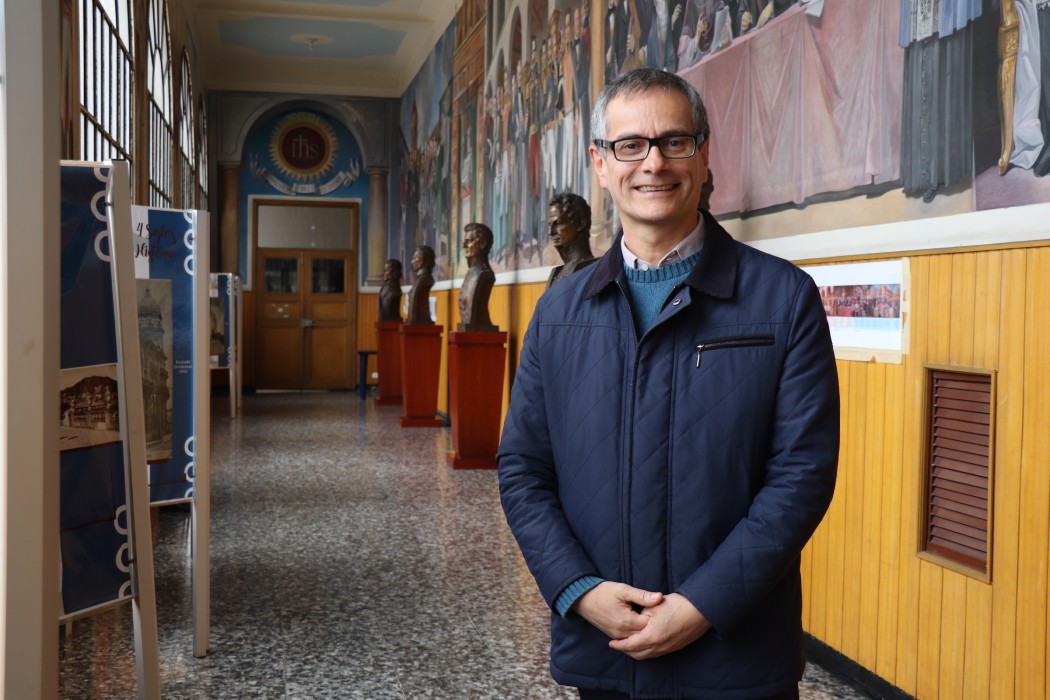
point(273, 36)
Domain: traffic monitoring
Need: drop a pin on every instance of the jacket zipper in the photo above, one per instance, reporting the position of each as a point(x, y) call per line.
point(737, 342)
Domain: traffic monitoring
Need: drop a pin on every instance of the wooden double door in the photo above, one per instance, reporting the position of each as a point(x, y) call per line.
point(306, 307)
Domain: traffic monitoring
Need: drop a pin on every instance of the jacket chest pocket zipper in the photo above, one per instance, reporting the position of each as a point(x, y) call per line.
point(737, 342)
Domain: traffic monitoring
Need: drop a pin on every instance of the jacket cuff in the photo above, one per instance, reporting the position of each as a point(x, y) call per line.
point(574, 592)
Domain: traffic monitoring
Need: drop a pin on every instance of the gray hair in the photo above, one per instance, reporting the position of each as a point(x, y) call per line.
point(642, 80)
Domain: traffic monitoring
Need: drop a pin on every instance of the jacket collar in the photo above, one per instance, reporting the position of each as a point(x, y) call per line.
point(714, 274)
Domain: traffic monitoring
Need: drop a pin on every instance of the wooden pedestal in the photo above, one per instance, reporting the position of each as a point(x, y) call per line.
point(420, 370)
point(476, 365)
point(388, 361)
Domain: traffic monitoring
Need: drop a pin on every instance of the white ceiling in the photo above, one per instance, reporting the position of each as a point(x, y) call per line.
point(340, 47)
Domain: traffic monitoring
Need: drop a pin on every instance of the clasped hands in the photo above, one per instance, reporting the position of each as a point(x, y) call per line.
point(664, 624)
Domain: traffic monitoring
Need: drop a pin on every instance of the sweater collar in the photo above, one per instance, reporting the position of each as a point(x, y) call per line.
point(714, 273)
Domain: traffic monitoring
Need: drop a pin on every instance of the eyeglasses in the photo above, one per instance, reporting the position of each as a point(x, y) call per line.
point(635, 149)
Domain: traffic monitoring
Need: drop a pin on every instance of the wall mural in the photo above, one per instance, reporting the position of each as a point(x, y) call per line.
point(426, 156)
point(810, 101)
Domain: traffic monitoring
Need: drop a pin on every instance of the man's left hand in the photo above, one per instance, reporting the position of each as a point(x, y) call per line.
point(673, 624)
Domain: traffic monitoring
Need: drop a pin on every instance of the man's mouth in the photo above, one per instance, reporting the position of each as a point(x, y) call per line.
point(656, 188)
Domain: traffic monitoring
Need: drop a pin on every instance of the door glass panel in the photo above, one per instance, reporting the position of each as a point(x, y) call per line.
point(282, 275)
point(300, 226)
point(328, 276)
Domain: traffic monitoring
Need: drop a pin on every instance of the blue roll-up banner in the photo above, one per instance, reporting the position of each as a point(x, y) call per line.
point(93, 501)
point(164, 257)
point(221, 297)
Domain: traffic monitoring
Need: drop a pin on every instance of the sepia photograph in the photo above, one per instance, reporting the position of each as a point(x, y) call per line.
point(155, 348)
point(90, 410)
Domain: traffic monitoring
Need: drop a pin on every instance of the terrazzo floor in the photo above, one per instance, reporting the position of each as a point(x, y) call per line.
point(347, 562)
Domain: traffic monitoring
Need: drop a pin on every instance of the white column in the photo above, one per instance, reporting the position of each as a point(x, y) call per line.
point(377, 224)
point(29, 313)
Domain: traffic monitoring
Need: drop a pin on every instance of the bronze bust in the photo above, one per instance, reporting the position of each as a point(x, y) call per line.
point(569, 218)
point(390, 292)
point(477, 285)
point(419, 295)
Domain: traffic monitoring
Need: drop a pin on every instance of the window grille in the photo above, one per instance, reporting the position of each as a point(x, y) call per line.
point(202, 155)
point(159, 105)
point(187, 144)
point(107, 77)
point(958, 485)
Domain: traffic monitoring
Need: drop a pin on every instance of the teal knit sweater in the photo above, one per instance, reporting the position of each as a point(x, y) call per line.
point(647, 290)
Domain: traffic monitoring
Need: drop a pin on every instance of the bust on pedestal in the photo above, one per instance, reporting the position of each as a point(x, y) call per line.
point(476, 361)
point(569, 218)
point(420, 348)
point(388, 342)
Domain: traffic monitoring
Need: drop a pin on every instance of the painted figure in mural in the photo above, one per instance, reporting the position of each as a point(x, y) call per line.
point(665, 27)
point(616, 19)
point(1042, 38)
point(1030, 127)
point(567, 150)
point(477, 285)
point(937, 122)
point(419, 296)
point(661, 500)
point(569, 220)
point(698, 31)
point(390, 292)
point(488, 144)
point(581, 60)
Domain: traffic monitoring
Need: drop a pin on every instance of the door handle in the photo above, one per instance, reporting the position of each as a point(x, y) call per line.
point(306, 323)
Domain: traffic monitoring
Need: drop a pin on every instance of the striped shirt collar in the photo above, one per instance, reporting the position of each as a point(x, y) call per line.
point(692, 243)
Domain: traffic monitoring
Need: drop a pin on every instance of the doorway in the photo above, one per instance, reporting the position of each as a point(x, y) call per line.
point(306, 294)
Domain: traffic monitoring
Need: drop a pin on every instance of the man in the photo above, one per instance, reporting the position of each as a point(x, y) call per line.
point(569, 219)
point(672, 437)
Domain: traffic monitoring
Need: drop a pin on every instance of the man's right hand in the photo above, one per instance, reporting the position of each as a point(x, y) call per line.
point(608, 606)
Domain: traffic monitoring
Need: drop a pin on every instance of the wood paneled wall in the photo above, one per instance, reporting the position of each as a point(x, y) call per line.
point(927, 629)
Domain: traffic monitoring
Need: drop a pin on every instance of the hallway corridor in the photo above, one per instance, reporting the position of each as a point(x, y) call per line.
point(347, 562)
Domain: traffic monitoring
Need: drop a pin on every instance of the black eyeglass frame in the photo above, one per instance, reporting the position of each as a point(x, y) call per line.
point(697, 140)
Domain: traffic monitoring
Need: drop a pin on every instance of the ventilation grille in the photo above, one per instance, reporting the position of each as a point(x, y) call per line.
point(959, 469)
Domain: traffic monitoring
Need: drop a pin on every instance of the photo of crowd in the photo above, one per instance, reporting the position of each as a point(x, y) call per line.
point(862, 301)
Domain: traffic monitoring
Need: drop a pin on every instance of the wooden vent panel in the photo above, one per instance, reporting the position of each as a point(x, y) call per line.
point(960, 462)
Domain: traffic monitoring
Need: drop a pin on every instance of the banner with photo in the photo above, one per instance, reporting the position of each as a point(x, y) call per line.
point(220, 297)
point(95, 557)
point(867, 308)
point(164, 266)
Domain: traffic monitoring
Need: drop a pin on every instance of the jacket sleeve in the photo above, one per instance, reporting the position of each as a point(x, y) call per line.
point(799, 476)
point(528, 481)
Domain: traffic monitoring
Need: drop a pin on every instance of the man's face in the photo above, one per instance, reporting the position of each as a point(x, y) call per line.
point(417, 262)
point(389, 273)
point(655, 192)
point(471, 243)
point(562, 233)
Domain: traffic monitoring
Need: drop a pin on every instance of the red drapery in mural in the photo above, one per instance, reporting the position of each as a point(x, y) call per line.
point(807, 105)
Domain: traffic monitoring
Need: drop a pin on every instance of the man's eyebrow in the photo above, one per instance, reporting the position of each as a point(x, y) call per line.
point(671, 132)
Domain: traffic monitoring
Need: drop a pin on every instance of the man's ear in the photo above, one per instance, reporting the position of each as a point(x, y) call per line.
point(598, 161)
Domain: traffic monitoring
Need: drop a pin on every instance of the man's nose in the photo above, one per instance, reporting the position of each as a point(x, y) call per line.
point(654, 159)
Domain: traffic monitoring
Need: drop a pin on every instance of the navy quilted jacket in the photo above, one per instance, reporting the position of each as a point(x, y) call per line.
point(697, 459)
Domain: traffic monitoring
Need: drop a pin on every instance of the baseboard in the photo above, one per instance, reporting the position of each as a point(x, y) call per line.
point(851, 672)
